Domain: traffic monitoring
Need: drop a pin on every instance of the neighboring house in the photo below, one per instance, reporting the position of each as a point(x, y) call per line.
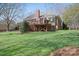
point(3, 26)
point(39, 22)
point(73, 26)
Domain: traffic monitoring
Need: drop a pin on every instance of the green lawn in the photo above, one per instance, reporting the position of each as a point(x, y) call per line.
point(36, 43)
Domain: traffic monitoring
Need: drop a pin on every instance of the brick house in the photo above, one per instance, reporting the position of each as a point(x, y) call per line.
point(38, 22)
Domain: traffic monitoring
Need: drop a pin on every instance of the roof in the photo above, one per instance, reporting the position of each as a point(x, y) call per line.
point(42, 16)
point(29, 17)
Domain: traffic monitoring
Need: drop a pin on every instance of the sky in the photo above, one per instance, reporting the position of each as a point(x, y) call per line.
point(50, 8)
point(45, 8)
point(55, 8)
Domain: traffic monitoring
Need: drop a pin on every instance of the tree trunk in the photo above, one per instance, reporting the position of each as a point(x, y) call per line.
point(8, 27)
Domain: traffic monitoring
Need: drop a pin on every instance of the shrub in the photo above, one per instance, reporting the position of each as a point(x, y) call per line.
point(24, 27)
point(65, 26)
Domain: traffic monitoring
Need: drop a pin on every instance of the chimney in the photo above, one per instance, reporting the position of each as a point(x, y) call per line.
point(37, 14)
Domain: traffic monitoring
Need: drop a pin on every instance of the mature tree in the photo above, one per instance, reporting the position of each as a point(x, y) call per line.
point(9, 12)
point(71, 13)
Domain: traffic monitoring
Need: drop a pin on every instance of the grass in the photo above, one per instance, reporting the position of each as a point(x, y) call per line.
point(36, 43)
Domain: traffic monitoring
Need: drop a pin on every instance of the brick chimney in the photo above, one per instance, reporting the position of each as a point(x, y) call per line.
point(37, 13)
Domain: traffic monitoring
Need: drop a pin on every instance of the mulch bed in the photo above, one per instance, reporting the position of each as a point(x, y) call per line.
point(66, 51)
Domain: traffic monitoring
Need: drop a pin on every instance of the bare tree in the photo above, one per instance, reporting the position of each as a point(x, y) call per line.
point(9, 12)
